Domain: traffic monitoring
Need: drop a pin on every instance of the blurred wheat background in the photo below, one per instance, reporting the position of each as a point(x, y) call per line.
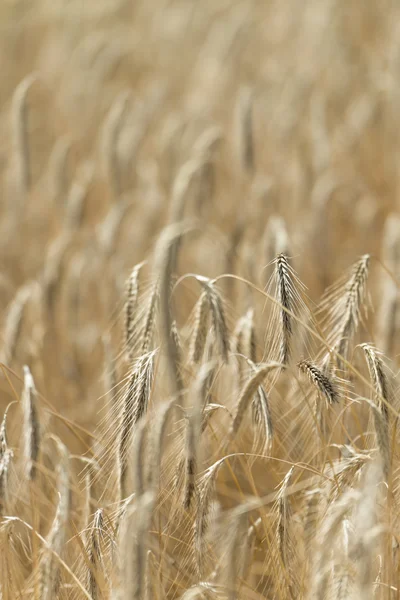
point(199, 293)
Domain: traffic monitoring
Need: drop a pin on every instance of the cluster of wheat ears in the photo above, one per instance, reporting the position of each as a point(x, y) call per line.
point(199, 290)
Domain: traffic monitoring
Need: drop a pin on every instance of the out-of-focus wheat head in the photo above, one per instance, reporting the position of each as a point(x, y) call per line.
point(199, 290)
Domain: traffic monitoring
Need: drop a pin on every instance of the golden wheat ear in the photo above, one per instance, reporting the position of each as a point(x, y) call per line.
point(342, 306)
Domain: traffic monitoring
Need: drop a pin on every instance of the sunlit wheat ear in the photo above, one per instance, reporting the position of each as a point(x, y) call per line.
point(146, 339)
point(217, 316)
point(107, 232)
point(21, 151)
point(262, 418)
point(134, 406)
point(111, 134)
point(57, 537)
point(75, 204)
point(31, 425)
point(198, 341)
point(13, 323)
point(247, 394)
point(343, 303)
point(205, 149)
point(58, 170)
point(133, 546)
point(5, 462)
point(379, 378)
point(286, 296)
point(286, 544)
point(131, 303)
point(157, 442)
point(324, 384)
point(94, 553)
point(244, 130)
point(383, 400)
point(193, 433)
point(203, 505)
point(54, 267)
point(164, 269)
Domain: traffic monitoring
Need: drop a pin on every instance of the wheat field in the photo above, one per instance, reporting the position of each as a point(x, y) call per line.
point(199, 291)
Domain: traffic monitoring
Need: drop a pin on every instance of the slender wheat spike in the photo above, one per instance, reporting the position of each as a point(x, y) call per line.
point(244, 127)
point(138, 461)
point(344, 309)
point(13, 323)
point(322, 382)
point(5, 461)
point(112, 130)
point(383, 400)
point(200, 329)
point(54, 268)
point(49, 565)
point(378, 377)
point(134, 407)
point(202, 521)
point(286, 297)
point(58, 170)
point(165, 265)
point(248, 392)
point(94, 552)
point(193, 432)
point(285, 542)
point(108, 230)
point(149, 320)
point(31, 425)
point(131, 301)
point(75, 204)
point(21, 138)
point(218, 316)
point(157, 444)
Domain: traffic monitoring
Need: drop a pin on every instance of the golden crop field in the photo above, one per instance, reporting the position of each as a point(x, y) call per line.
point(199, 293)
